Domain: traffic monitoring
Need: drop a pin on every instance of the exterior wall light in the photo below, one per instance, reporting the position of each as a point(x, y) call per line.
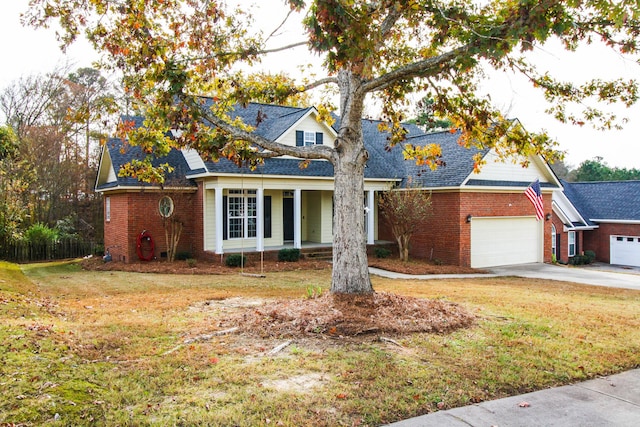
point(469, 218)
point(547, 217)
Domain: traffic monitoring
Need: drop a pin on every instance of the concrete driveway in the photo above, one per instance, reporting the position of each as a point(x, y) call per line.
point(595, 274)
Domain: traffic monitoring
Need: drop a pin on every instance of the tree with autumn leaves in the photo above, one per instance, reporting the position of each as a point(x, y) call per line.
point(405, 210)
point(173, 52)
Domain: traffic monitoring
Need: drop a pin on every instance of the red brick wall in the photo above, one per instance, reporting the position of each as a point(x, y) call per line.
point(116, 230)
point(598, 240)
point(439, 236)
point(132, 213)
point(446, 235)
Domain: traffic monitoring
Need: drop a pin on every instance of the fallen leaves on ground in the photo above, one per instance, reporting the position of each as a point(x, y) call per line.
point(342, 315)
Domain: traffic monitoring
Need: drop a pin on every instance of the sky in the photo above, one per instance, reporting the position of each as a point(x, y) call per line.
point(28, 51)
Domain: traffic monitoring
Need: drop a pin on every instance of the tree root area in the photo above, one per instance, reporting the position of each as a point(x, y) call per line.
point(346, 315)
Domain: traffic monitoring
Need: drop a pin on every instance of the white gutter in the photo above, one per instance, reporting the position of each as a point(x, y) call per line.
point(616, 221)
point(260, 176)
point(142, 188)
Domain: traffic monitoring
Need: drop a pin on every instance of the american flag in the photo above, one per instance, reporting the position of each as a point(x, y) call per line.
point(534, 194)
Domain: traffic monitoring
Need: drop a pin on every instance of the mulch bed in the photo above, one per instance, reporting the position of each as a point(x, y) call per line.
point(353, 315)
point(417, 266)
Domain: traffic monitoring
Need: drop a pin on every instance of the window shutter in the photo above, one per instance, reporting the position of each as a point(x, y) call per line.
point(299, 138)
point(558, 251)
point(225, 215)
point(267, 217)
point(319, 136)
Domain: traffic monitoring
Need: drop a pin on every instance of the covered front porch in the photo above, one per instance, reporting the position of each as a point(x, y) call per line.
point(257, 215)
point(310, 250)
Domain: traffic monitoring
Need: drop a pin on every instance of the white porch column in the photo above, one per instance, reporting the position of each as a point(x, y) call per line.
point(297, 219)
point(260, 220)
point(370, 217)
point(219, 220)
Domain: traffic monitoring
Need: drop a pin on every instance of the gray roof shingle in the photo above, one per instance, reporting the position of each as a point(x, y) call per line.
point(384, 162)
point(123, 153)
point(611, 200)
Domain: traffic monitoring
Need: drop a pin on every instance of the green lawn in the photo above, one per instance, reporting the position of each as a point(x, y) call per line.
point(111, 348)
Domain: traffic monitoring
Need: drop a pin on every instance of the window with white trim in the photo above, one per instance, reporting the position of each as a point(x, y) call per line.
point(242, 211)
point(553, 241)
point(165, 207)
point(107, 209)
point(309, 138)
point(572, 243)
point(305, 138)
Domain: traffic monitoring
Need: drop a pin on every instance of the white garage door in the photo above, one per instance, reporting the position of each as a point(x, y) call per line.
point(505, 241)
point(625, 250)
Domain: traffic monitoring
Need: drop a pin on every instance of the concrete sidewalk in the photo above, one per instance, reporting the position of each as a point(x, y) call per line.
point(610, 401)
point(597, 275)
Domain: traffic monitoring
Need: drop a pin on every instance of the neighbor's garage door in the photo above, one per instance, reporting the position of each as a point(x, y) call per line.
point(625, 250)
point(505, 241)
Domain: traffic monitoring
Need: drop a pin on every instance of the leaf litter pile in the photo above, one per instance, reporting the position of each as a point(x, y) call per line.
point(345, 315)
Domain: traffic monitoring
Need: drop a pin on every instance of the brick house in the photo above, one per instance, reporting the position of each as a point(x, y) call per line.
point(603, 217)
point(480, 219)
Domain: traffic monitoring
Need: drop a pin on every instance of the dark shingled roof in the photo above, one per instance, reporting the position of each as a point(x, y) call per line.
point(390, 163)
point(123, 153)
point(277, 119)
point(612, 200)
point(383, 163)
point(458, 162)
point(274, 121)
point(270, 121)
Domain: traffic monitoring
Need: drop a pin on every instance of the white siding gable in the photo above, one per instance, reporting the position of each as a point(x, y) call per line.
point(565, 209)
point(112, 174)
point(308, 124)
point(193, 159)
point(499, 170)
point(106, 173)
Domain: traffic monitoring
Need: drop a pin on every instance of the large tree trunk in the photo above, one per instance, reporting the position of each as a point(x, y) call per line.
point(350, 267)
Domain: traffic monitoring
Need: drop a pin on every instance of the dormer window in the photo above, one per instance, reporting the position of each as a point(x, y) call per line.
point(308, 138)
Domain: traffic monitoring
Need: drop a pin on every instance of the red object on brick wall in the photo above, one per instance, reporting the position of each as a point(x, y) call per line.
point(133, 212)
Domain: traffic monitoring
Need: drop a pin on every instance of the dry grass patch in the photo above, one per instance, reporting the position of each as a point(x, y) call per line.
point(121, 348)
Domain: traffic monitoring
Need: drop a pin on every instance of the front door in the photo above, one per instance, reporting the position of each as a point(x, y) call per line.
point(287, 218)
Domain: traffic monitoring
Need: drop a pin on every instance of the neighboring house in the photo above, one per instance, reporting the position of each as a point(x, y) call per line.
point(603, 217)
point(479, 220)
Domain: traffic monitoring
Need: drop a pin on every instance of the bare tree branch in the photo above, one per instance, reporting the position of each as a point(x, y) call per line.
point(318, 83)
point(286, 18)
point(416, 69)
point(280, 49)
point(307, 152)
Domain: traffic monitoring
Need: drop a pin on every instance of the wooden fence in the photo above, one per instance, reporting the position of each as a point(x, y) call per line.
point(60, 249)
